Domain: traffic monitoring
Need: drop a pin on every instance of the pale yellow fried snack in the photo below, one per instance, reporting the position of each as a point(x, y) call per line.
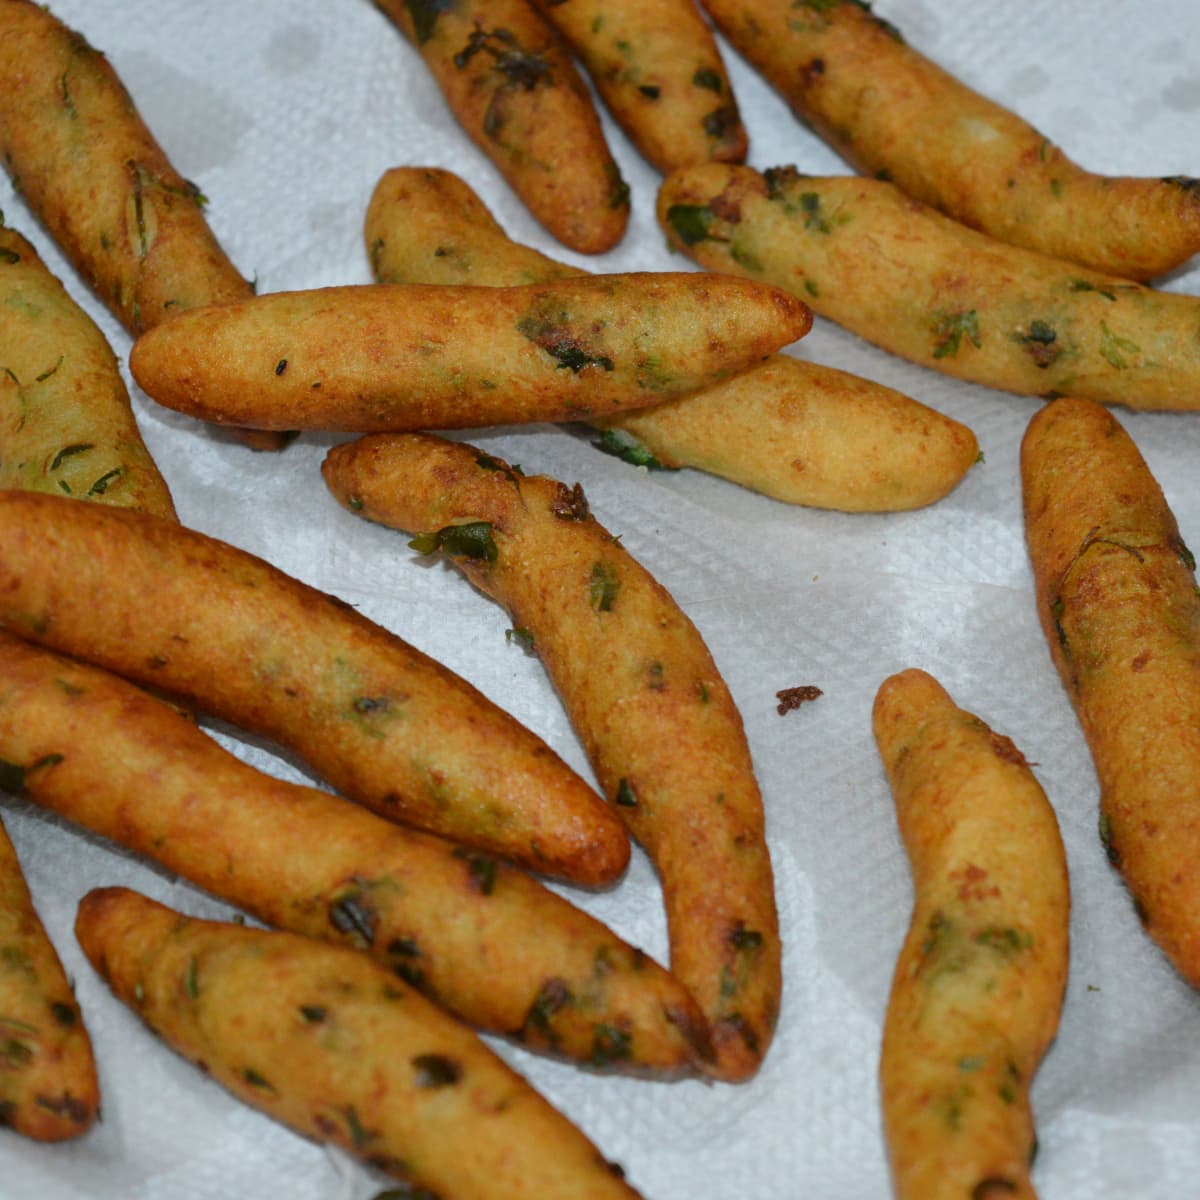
point(77, 148)
point(655, 717)
point(230, 634)
point(903, 276)
point(1118, 602)
point(481, 938)
point(386, 357)
point(896, 115)
point(657, 68)
point(510, 82)
point(793, 430)
point(66, 425)
point(330, 1044)
point(48, 1087)
point(979, 982)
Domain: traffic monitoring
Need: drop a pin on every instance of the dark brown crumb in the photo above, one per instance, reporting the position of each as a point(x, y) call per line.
point(793, 697)
point(1004, 748)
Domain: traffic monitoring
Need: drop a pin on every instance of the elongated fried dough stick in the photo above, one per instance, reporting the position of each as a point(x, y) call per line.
point(979, 983)
point(394, 357)
point(642, 691)
point(793, 430)
point(480, 937)
point(66, 425)
point(82, 157)
point(894, 114)
point(659, 72)
point(922, 286)
point(511, 83)
point(334, 1047)
point(232, 635)
point(48, 1087)
point(1117, 598)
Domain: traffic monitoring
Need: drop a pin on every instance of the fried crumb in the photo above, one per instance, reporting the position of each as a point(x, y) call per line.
point(791, 698)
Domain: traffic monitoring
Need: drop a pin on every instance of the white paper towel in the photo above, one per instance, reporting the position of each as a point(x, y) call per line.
point(286, 114)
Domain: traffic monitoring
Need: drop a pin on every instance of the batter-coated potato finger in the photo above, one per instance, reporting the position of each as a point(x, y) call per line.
point(659, 72)
point(791, 429)
point(234, 636)
point(337, 1049)
point(483, 939)
point(655, 717)
point(1118, 602)
point(48, 1087)
point(66, 425)
point(510, 81)
point(901, 275)
point(382, 357)
point(88, 166)
point(979, 982)
point(896, 115)
point(75, 145)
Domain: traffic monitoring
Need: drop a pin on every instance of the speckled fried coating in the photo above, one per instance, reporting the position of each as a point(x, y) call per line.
point(896, 115)
point(234, 636)
point(384, 357)
point(481, 938)
point(793, 430)
point(48, 1087)
point(655, 717)
point(1118, 602)
point(901, 275)
point(979, 982)
point(509, 80)
point(337, 1049)
point(66, 425)
point(77, 148)
point(657, 68)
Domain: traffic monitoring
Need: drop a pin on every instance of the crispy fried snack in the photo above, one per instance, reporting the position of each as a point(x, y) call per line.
point(979, 982)
point(922, 286)
point(894, 114)
point(48, 1087)
point(394, 357)
point(510, 81)
point(657, 721)
point(230, 634)
point(66, 425)
point(1117, 598)
point(82, 157)
point(793, 430)
point(481, 938)
point(657, 68)
point(337, 1049)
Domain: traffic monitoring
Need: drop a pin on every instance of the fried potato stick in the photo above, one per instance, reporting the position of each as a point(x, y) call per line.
point(979, 982)
point(395, 357)
point(793, 430)
point(1118, 602)
point(66, 425)
point(510, 82)
point(654, 715)
point(894, 114)
point(658, 70)
point(483, 939)
point(78, 150)
point(901, 275)
point(48, 1087)
point(337, 1049)
point(234, 636)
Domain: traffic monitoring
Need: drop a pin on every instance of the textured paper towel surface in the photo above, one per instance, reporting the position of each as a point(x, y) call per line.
point(286, 114)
